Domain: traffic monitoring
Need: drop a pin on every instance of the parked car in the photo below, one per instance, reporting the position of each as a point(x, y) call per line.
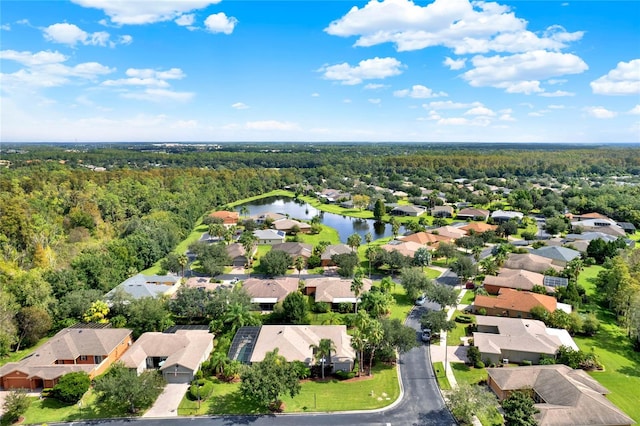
point(426, 335)
point(420, 300)
point(470, 285)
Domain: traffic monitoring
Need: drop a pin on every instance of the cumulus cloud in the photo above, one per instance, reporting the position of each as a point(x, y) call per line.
point(624, 79)
point(419, 92)
point(220, 23)
point(71, 35)
point(436, 105)
point(522, 73)
point(556, 94)
point(480, 110)
point(126, 12)
point(455, 64)
point(5, 27)
point(375, 101)
point(635, 110)
point(146, 77)
point(47, 69)
point(462, 25)
point(240, 105)
point(271, 125)
point(159, 95)
point(600, 112)
point(185, 20)
point(374, 86)
point(368, 69)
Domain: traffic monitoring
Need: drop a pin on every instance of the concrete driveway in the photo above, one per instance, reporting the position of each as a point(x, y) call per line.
point(167, 403)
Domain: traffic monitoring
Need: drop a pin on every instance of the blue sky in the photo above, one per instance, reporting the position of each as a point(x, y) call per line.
point(392, 70)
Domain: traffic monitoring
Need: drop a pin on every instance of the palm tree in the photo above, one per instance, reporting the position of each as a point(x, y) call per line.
point(248, 241)
point(237, 316)
point(217, 230)
point(322, 352)
point(299, 264)
point(332, 318)
point(183, 260)
point(356, 286)
point(244, 210)
point(354, 241)
point(218, 362)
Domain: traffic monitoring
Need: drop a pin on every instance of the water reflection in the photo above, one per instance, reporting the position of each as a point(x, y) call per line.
point(345, 225)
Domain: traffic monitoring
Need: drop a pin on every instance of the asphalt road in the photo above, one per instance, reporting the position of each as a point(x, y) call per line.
point(422, 403)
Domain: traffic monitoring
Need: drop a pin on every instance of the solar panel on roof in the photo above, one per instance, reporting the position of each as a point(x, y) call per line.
point(550, 281)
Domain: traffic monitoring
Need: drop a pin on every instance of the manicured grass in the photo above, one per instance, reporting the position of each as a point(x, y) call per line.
point(468, 298)
point(441, 376)
point(327, 234)
point(432, 273)
point(51, 410)
point(363, 394)
point(465, 374)
point(587, 279)
point(454, 336)
point(403, 304)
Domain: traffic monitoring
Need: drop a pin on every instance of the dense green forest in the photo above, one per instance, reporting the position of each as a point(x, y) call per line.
point(76, 220)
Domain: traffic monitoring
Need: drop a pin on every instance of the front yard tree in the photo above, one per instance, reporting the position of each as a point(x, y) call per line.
point(295, 309)
point(436, 321)
point(422, 257)
point(397, 336)
point(33, 324)
point(443, 295)
point(275, 263)
point(148, 314)
point(265, 381)
point(519, 410)
point(354, 241)
point(346, 263)
point(299, 264)
point(123, 388)
point(71, 387)
point(322, 352)
point(376, 303)
point(464, 268)
point(468, 400)
point(414, 282)
point(447, 251)
point(361, 202)
point(15, 405)
point(356, 286)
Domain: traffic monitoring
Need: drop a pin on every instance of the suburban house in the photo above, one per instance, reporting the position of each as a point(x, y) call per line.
point(294, 342)
point(500, 216)
point(228, 218)
point(334, 290)
point(287, 225)
point(91, 350)
point(513, 303)
point(451, 232)
point(473, 214)
point(425, 238)
point(517, 340)
point(407, 210)
point(628, 227)
point(268, 292)
point(606, 225)
point(295, 249)
point(478, 228)
point(333, 195)
point(139, 286)
point(531, 262)
point(204, 283)
point(331, 250)
point(558, 255)
point(405, 248)
point(263, 218)
point(238, 254)
point(442, 211)
point(564, 397)
point(270, 236)
point(517, 279)
point(177, 355)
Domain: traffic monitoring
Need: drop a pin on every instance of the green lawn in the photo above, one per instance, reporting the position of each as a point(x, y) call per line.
point(454, 336)
point(465, 374)
point(327, 234)
point(17, 356)
point(403, 304)
point(587, 278)
point(468, 298)
point(441, 377)
point(50, 410)
point(365, 394)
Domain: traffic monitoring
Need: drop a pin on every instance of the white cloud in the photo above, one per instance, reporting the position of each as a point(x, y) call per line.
point(521, 73)
point(5, 27)
point(375, 101)
point(368, 69)
point(46, 69)
point(453, 121)
point(71, 35)
point(419, 92)
point(635, 110)
point(220, 23)
point(185, 20)
point(462, 25)
point(315, 95)
point(374, 86)
point(159, 95)
point(135, 81)
point(480, 110)
point(556, 107)
point(624, 79)
point(455, 64)
point(450, 105)
point(240, 105)
point(126, 12)
point(171, 74)
point(346, 101)
point(600, 112)
point(271, 125)
point(556, 94)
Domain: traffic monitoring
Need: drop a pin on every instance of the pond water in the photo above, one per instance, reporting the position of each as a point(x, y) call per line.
point(345, 225)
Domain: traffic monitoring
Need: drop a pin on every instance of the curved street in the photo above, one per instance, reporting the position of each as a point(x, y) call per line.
point(422, 403)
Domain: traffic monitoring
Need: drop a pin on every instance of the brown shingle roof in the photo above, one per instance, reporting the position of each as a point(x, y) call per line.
point(334, 289)
point(530, 262)
point(515, 278)
point(479, 227)
point(425, 238)
point(278, 288)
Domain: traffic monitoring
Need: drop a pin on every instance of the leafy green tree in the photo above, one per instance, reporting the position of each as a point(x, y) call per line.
point(519, 409)
point(346, 263)
point(295, 309)
point(354, 241)
point(122, 387)
point(395, 226)
point(447, 251)
point(275, 263)
point(8, 330)
point(361, 201)
point(436, 321)
point(237, 315)
point(265, 381)
point(555, 225)
point(507, 228)
point(71, 387)
point(443, 295)
point(422, 257)
point(379, 210)
point(148, 314)
point(249, 243)
point(322, 352)
point(15, 405)
point(190, 303)
point(376, 303)
point(468, 400)
point(464, 268)
point(397, 336)
point(74, 304)
point(98, 312)
point(33, 324)
point(590, 324)
point(171, 263)
point(414, 282)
